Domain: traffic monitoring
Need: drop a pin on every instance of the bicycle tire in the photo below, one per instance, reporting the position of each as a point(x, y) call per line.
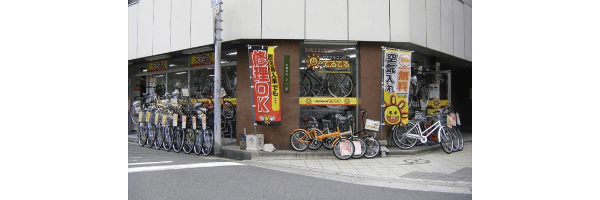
point(363, 147)
point(327, 143)
point(208, 142)
point(373, 147)
point(168, 143)
point(228, 110)
point(445, 140)
point(178, 139)
point(340, 85)
point(337, 151)
point(142, 134)
point(316, 144)
point(455, 139)
point(305, 87)
point(188, 140)
point(400, 138)
point(461, 140)
point(296, 140)
point(198, 142)
point(151, 135)
point(134, 115)
point(160, 137)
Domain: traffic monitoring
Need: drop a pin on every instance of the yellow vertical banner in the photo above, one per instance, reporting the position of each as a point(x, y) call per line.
point(396, 86)
point(274, 79)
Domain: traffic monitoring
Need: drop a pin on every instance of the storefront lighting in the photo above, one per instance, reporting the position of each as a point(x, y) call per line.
point(197, 50)
point(172, 65)
point(159, 57)
point(233, 53)
point(353, 56)
point(144, 70)
point(181, 73)
point(160, 76)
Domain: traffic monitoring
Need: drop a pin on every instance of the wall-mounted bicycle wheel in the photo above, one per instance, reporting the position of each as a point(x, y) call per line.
point(299, 140)
point(305, 87)
point(343, 149)
point(373, 147)
point(340, 85)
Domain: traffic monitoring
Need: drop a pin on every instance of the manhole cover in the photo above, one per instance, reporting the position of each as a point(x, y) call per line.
point(416, 161)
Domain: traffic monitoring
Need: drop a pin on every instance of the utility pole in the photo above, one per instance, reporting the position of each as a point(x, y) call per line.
point(216, 6)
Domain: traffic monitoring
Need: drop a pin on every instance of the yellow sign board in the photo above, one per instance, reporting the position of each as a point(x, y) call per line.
point(328, 101)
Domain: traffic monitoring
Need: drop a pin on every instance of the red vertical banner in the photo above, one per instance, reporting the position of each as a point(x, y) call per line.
point(265, 85)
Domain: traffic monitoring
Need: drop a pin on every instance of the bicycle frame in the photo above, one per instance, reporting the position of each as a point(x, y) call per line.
point(436, 126)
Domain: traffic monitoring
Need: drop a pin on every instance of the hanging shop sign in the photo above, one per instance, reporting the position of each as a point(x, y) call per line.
point(202, 59)
point(157, 66)
point(328, 101)
point(396, 85)
point(328, 60)
point(286, 73)
point(265, 85)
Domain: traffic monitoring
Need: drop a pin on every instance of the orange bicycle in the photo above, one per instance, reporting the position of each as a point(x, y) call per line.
point(343, 148)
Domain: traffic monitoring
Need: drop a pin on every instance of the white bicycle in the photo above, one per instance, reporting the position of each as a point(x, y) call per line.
point(405, 137)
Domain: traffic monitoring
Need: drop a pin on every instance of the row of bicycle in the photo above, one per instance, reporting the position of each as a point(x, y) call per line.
point(441, 128)
point(176, 122)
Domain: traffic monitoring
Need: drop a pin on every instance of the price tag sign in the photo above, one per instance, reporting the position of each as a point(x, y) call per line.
point(345, 148)
point(140, 117)
point(372, 125)
point(183, 120)
point(164, 120)
point(148, 116)
point(203, 116)
point(175, 119)
point(194, 122)
point(156, 118)
point(356, 148)
point(185, 92)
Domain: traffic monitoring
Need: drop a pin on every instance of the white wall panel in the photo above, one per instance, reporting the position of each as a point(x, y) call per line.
point(144, 31)
point(369, 20)
point(132, 31)
point(399, 20)
point(241, 19)
point(161, 41)
point(434, 29)
point(418, 22)
point(447, 18)
point(281, 23)
point(459, 29)
point(468, 32)
point(180, 24)
point(327, 20)
point(201, 23)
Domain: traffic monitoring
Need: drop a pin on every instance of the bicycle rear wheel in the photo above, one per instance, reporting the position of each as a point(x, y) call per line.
point(207, 146)
point(316, 144)
point(305, 87)
point(460, 139)
point(343, 149)
point(300, 140)
point(400, 137)
point(188, 143)
point(360, 149)
point(142, 134)
point(178, 139)
point(340, 85)
point(169, 134)
point(455, 139)
point(160, 137)
point(327, 143)
point(445, 140)
point(373, 147)
point(198, 142)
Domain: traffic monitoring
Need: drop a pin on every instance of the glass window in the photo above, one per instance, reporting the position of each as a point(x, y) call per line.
point(328, 82)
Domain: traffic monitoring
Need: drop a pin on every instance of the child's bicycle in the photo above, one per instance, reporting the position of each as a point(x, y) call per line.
point(343, 148)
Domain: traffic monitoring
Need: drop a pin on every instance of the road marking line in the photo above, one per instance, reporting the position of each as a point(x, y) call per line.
point(188, 166)
point(147, 163)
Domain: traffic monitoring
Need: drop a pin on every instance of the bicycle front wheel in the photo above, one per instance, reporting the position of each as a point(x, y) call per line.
point(455, 139)
point(343, 149)
point(178, 139)
point(142, 134)
point(373, 147)
point(188, 143)
point(198, 142)
point(460, 139)
point(160, 137)
point(169, 134)
point(400, 137)
point(151, 135)
point(445, 140)
point(360, 148)
point(207, 146)
point(299, 140)
point(340, 85)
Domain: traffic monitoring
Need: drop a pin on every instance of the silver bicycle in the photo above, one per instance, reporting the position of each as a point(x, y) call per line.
point(405, 137)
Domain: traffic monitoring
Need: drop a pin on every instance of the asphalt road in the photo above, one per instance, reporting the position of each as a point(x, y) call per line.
point(157, 174)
